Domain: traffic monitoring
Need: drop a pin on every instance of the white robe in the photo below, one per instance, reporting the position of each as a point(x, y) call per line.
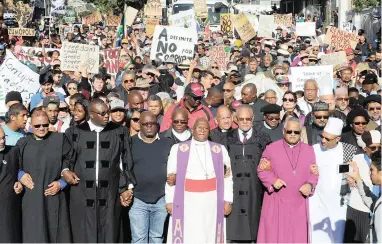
point(327, 216)
point(199, 207)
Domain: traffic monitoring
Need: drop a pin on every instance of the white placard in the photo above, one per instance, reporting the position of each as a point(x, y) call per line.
point(266, 25)
point(185, 19)
point(74, 54)
point(172, 41)
point(306, 28)
point(300, 74)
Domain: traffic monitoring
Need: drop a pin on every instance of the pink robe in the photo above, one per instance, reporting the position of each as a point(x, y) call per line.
point(284, 215)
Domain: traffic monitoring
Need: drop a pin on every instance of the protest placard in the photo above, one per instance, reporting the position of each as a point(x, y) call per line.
point(200, 7)
point(172, 41)
point(34, 50)
point(226, 25)
point(153, 8)
point(340, 39)
point(21, 32)
point(93, 18)
point(113, 20)
point(150, 26)
point(243, 27)
point(306, 28)
point(111, 58)
point(15, 76)
point(220, 55)
point(129, 15)
point(283, 20)
point(33, 59)
point(266, 26)
point(334, 58)
point(253, 20)
point(300, 74)
point(74, 54)
point(185, 19)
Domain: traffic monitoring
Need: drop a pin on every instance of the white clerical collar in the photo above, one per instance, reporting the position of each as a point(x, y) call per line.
point(199, 142)
point(94, 127)
point(156, 136)
point(224, 130)
point(184, 136)
point(291, 146)
point(268, 127)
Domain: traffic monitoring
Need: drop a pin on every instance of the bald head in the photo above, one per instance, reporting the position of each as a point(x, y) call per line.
point(248, 93)
point(222, 110)
point(148, 124)
point(224, 117)
point(250, 87)
point(39, 113)
point(180, 112)
point(135, 100)
point(200, 121)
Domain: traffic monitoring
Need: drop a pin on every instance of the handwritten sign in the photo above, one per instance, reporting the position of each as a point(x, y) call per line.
point(226, 25)
point(334, 58)
point(74, 54)
point(284, 20)
point(93, 18)
point(15, 76)
point(243, 27)
point(113, 20)
point(306, 28)
point(220, 55)
point(111, 57)
point(185, 19)
point(340, 39)
point(153, 8)
point(172, 41)
point(266, 25)
point(34, 59)
point(21, 32)
point(200, 7)
point(301, 74)
point(150, 26)
point(129, 15)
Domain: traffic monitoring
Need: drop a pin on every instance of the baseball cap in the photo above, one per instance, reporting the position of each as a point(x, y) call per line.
point(194, 89)
point(51, 99)
point(125, 41)
point(116, 104)
point(13, 96)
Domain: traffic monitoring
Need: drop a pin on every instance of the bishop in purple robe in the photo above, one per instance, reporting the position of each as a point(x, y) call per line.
point(286, 172)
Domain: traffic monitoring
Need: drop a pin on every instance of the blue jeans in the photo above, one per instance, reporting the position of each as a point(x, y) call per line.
point(147, 221)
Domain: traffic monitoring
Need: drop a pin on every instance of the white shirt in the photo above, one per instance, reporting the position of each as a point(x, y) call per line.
point(241, 136)
point(182, 136)
point(94, 127)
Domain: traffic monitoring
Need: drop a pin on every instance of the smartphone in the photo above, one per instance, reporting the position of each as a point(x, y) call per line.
point(343, 168)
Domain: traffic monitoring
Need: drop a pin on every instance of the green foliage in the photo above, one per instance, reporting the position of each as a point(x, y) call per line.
point(116, 5)
point(362, 4)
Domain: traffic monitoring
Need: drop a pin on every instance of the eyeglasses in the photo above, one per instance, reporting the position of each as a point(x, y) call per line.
point(321, 117)
point(182, 122)
point(360, 123)
point(102, 114)
point(272, 118)
point(149, 124)
point(227, 90)
point(283, 84)
point(201, 129)
point(214, 67)
point(129, 81)
point(136, 120)
point(374, 108)
point(39, 126)
point(244, 119)
point(290, 132)
point(289, 100)
point(343, 99)
point(279, 73)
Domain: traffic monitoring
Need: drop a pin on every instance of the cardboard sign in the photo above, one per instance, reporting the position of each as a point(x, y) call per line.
point(74, 54)
point(306, 28)
point(243, 27)
point(21, 32)
point(23, 12)
point(150, 26)
point(15, 76)
point(153, 8)
point(58, 7)
point(334, 58)
point(92, 18)
point(266, 26)
point(113, 20)
point(34, 59)
point(172, 41)
point(226, 25)
point(253, 20)
point(111, 57)
point(185, 19)
point(220, 55)
point(300, 74)
point(200, 8)
point(340, 39)
point(129, 15)
point(283, 20)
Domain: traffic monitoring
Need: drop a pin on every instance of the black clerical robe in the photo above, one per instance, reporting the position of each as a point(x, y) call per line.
point(44, 218)
point(274, 133)
point(95, 208)
point(10, 208)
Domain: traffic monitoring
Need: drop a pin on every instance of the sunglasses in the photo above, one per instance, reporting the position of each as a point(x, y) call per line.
point(39, 126)
point(343, 99)
point(182, 122)
point(129, 81)
point(328, 139)
point(321, 117)
point(273, 118)
point(214, 67)
point(102, 114)
point(197, 98)
point(283, 84)
point(374, 108)
point(63, 109)
point(227, 90)
point(149, 124)
point(136, 120)
point(360, 123)
point(290, 132)
point(244, 119)
point(279, 73)
point(374, 148)
point(289, 100)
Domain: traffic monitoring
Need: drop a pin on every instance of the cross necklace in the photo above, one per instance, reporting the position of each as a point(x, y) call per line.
point(205, 160)
point(290, 161)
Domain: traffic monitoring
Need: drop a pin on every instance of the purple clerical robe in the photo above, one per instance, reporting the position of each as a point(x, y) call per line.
point(285, 212)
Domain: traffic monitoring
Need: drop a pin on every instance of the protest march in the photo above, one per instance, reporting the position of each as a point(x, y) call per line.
point(190, 121)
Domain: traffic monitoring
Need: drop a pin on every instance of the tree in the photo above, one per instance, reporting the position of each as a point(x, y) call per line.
point(362, 4)
point(117, 5)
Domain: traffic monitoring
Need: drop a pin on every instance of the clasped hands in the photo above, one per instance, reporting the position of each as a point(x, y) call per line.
point(27, 181)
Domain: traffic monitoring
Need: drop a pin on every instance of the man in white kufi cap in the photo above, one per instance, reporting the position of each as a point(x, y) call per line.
point(327, 207)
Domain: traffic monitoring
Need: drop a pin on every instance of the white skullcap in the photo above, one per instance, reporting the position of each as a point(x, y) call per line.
point(334, 126)
point(326, 90)
point(368, 138)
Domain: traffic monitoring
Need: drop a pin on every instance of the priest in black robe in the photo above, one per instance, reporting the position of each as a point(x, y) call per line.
point(10, 204)
point(100, 176)
point(45, 216)
point(271, 124)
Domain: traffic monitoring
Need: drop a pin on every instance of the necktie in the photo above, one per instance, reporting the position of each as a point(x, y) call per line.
point(245, 137)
